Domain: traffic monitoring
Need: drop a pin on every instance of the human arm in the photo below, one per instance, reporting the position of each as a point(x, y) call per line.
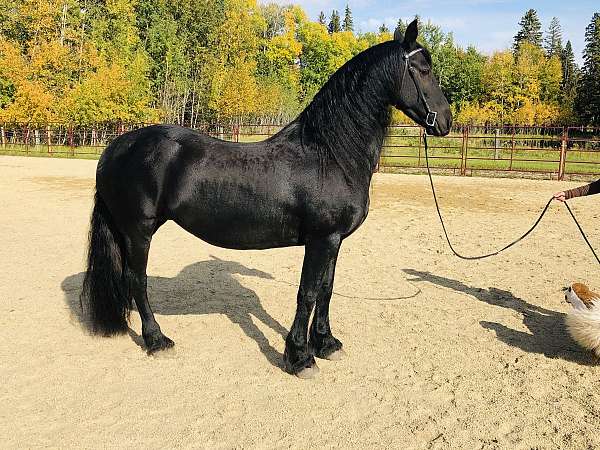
point(588, 189)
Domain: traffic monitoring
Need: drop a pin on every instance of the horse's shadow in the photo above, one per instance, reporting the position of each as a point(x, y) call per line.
point(547, 331)
point(205, 287)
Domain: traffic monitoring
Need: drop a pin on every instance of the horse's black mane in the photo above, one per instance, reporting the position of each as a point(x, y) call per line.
point(347, 119)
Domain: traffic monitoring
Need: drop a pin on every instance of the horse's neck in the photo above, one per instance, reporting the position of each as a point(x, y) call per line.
point(367, 140)
point(350, 127)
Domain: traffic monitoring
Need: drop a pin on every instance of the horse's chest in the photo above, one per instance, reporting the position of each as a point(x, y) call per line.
point(357, 214)
point(340, 214)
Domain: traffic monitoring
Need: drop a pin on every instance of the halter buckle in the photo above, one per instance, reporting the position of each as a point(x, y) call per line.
point(431, 118)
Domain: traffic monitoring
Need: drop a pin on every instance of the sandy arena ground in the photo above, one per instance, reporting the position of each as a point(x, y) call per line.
point(474, 355)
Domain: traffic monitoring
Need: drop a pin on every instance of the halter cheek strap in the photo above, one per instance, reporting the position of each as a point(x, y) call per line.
point(431, 117)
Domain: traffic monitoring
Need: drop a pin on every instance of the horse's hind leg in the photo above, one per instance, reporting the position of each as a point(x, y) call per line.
point(138, 247)
point(316, 281)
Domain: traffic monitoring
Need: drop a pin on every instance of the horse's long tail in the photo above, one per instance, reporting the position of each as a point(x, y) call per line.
point(106, 298)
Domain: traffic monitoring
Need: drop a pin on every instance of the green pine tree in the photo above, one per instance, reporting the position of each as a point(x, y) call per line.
point(530, 30)
point(334, 23)
point(383, 28)
point(348, 24)
point(570, 72)
point(322, 19)
point(401, 26)
point(587, 103)
point(553, 40)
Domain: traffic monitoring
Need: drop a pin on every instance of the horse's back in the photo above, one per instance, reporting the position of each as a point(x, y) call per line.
point(143, 147)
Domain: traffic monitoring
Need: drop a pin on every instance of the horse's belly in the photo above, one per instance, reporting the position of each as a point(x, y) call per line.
point(237, 230)
point(245, 239)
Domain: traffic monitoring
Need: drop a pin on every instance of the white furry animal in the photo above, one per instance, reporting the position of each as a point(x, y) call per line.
point(583, 321)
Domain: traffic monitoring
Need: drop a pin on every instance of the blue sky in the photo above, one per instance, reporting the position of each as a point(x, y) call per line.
point(488, 24)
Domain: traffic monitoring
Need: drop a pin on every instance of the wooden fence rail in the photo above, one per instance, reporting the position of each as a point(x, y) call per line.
point(548, 152)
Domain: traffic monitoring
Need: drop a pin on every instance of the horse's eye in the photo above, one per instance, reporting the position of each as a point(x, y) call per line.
point(426, 71)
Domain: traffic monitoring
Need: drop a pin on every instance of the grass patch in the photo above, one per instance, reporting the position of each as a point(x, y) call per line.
point(58, 151)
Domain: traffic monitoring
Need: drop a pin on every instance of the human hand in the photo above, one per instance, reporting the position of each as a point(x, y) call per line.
point(560, 196)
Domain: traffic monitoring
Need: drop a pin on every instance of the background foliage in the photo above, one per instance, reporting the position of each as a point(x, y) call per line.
point(87, 62)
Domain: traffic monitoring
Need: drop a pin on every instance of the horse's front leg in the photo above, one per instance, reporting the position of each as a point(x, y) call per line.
point(321, 342)
point(316, 283)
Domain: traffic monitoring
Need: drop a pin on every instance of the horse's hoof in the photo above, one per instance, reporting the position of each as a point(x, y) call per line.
point(308, 372)
point(337, 355)
point(157, 344)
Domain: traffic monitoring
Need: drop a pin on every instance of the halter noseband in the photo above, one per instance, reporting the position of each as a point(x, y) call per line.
point(431, 117)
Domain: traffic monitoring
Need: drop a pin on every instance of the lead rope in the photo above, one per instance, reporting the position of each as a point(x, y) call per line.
point(582, 233)
point(437, 206)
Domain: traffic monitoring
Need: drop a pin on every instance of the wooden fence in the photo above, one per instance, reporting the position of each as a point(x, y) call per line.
point(548, 152)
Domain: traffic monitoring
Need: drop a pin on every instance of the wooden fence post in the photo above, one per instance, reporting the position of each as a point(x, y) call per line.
point(3, 137)
point(420, 140)
point(70, 139)
point(48, 138)
point(496, 143)
point(563, 154)
point(27, 138)
point(463, 156)
point(512, 149)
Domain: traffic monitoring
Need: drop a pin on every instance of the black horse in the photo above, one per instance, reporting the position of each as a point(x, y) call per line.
point(307, 185)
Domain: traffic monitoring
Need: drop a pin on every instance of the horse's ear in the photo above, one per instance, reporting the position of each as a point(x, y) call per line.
point(412, 31)
point(398, 36)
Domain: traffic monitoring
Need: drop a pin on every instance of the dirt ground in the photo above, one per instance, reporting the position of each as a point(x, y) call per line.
point(441, 353)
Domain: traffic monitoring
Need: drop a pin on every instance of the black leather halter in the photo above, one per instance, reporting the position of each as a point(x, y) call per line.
point(431, 117)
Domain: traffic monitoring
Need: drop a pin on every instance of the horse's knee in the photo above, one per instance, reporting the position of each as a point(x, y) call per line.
point(307, 297)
